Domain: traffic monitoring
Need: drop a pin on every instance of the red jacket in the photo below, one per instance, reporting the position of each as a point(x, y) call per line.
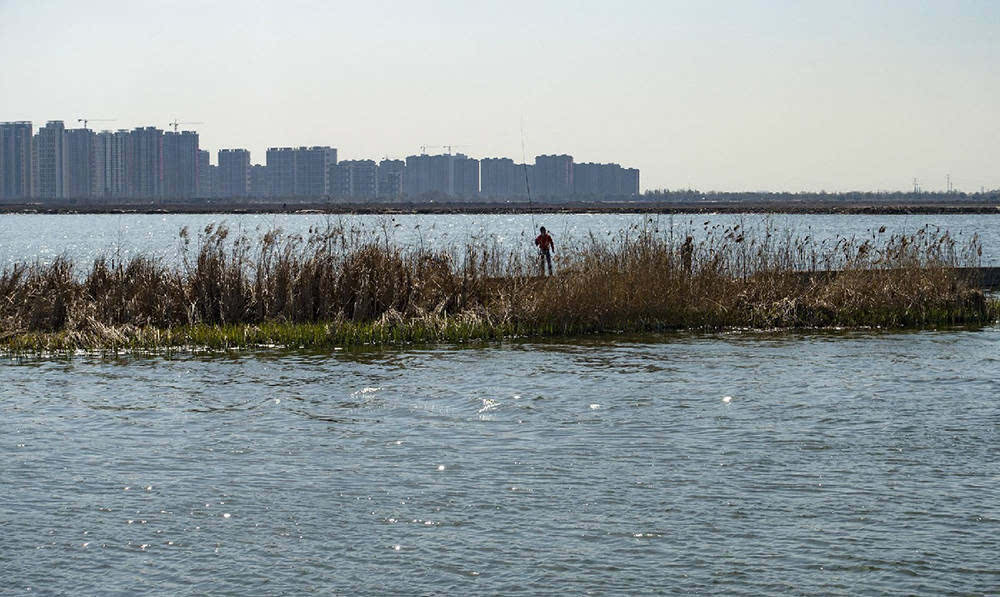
point(544, 242)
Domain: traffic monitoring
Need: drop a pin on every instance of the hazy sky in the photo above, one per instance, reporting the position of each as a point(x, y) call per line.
point(715, 95)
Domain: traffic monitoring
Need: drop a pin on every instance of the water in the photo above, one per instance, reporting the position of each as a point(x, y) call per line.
point(841, 464)
point(84, 237)
point(741, 463)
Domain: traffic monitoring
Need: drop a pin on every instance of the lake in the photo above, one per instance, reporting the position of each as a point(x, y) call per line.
point(730, 463)
point(83, 237)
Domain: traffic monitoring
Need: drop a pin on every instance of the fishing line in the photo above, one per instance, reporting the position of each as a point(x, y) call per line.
point(527, 185)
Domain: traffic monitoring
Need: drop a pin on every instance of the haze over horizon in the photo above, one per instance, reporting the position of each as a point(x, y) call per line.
point(727, 96)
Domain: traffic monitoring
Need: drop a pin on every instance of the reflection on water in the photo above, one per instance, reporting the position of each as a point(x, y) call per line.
point(833, 463)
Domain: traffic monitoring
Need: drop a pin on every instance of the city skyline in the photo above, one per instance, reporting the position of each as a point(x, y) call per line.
point(728, 96)
point(147, 162)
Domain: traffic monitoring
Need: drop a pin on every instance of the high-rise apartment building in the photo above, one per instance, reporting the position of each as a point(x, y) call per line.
point(426, 174)
point(52, 161)
point(281, 168)
point(214, 181)
point(260, 181)
point(98, 175)
point(354, 179)
point(180, 164)
point(604, 180)
point(341, 180)
point(498, 176)
point(630, 182)
point(234, 172)
point(204, 175)
point(389, 179)
point(15, 160)
point(312, 171)
point(553, 175)
point(451, 175)
point(465, 177)
point(116, 163)
point(501, 178)
point(300, 172)
point(80, 163)
point(108, 174)
point(144, 163)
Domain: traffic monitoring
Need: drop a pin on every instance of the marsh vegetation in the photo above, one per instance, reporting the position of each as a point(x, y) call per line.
point(337, 287)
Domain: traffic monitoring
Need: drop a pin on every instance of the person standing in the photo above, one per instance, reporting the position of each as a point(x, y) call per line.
point(545, 249)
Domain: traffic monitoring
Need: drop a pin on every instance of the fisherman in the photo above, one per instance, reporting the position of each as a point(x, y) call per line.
point(545, 249)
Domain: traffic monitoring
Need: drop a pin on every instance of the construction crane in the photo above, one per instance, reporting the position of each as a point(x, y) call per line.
point(423, 148)
point(176, 124)
point(86, 120)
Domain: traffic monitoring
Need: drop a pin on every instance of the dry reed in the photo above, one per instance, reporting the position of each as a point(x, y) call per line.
point(332, 287)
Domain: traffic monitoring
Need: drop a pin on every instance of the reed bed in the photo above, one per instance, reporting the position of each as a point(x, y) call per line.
point(332, 287)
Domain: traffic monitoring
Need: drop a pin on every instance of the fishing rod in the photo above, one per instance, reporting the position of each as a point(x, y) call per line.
point(527, 184)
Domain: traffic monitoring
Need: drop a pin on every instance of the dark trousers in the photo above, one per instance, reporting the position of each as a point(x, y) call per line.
point(543, 258)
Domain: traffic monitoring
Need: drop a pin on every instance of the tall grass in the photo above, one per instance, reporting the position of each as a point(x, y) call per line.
point(333, 287)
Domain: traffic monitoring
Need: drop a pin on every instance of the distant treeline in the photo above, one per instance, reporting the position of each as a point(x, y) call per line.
point(653, 201)
point(653, 196)
point(854, 197)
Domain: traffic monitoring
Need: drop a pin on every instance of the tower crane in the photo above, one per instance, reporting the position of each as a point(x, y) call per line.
point(176, 124)
point(86, 120)
point(423, 148)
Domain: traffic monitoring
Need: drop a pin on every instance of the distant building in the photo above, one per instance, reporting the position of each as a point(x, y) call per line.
point(99, 171)
point(260, 181)
point(630, 182)
point(604, 180)
point(214, 181)
point(553, 175)
point(234, 172)
point(180, 164)
point(52, 159)
point(144, 163)
point(110, 174)
point(465, 177)
point(354, 179)
point(312, 171)
point(501, 178)
point(281, 167)
point(426, 174)
point(446, 174)
point(80, 163)
point(15, 160)
point(389, 179)
point(204, 174)
point(340, 180)
point(108, 178)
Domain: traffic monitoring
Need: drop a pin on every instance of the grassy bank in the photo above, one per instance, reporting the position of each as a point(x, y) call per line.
point(337, 288)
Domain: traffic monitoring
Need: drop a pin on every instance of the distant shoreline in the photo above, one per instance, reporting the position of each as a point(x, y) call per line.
point(642, 207)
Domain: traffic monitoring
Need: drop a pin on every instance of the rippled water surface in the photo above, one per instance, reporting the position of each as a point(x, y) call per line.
point(84, 237)
point(735, 464)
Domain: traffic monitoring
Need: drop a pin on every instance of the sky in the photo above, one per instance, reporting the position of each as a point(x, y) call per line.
point(723, 95)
